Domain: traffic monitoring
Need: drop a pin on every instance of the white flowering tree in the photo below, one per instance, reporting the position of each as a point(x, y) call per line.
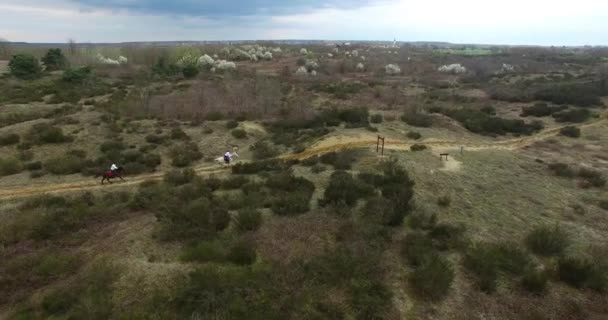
point(455, 68)
point(392, 69)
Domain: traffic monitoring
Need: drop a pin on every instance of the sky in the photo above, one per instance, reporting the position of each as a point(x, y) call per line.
point(516, 22)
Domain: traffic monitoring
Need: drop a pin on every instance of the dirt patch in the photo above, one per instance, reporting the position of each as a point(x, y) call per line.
point(3, 66)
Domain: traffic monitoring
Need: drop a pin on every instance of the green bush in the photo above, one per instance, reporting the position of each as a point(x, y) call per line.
point(574, 115)
point(576, 271)
point(548, 240)
point(562, 170)
point(231, 124)
point(9, 139)
point(78, 75)
point(10, 166)
point(415, 248)
point(417, 119)
point(291, 194)
point(155, 139)
point(418, 147)
point(344, 189)
point(242, 253)
point(535, 281)
point(33, 166)
point(184, 154)
point(43, 133)
point(180, 177)
point(68, 164)
point(376, 118)
point(433, 278)
point(258, 166)
point(248, 220)
point(447, 236)
point(54, 60)
point(444, 201)
point(593, 178)
point(339, 160)
point(190, 71)
point(25, 66)
point(422, 220)
point(239, 133)
point(263, 150)
point(197, 220)
point(540, 109)
point(178, 134)
point(208, 251)
point(414, 135)
point(570, 131)
point(234, 182)
point(488, 260)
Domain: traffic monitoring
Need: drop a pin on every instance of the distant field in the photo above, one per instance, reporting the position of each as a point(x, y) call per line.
point(466, 52)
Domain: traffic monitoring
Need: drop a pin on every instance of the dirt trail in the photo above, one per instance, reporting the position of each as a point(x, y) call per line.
point(322, 147)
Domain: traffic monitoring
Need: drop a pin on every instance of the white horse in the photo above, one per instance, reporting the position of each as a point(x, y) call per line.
point(232, 156)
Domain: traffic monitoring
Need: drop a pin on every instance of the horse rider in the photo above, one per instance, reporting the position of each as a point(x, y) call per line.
point(113, 169)
point(227, 157)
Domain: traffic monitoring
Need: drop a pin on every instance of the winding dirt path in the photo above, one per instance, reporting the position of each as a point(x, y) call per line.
point(321, 147)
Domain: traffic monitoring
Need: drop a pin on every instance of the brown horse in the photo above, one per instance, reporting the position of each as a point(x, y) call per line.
point(109, 175)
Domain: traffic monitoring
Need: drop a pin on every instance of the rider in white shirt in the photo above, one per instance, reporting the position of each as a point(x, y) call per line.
point(227, 157)
point(113, 168)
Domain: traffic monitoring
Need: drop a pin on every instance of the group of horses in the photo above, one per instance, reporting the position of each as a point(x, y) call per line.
point(118, 173)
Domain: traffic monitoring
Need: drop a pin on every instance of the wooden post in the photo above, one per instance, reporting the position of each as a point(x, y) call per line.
point(378, 144)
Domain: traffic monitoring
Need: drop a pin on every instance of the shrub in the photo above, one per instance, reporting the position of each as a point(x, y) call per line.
point(574, 115)
point(78, 75)
point(258, 166)
point(570, 131)
point(317, 168)
point(68, 164)
point(190, 71)
point(535, 281)
point(422, 220)
point(234, 182)
point(248, 220)
point(433, 278)
point(417, 119)
point(603, 204)
point(414, 135)
point(576, 271)
point(540, 109)
point(263, 150)
point(376, 118)
point(344, 189)
point(292, 194)
point(198, 220)
point(486, 261)
point(25, 66)
point(418, 147)
point(155, 139)
point(415, 248)
point(54, 60)
point(444, 201)
point(184, 154)
point(33, 166)
point(562, 170)
point(593, 178)
point(242, 253)
point(207, 251)
point(180, 177)
point(43, 133)
point(10, 166)
point(239, 133)
point(9, 139)
point(178, 134)
point(231, 124)
point(547, 240)
point(447, 236)
point(340, 161)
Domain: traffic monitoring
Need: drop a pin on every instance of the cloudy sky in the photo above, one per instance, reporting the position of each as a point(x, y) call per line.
point(542, 22)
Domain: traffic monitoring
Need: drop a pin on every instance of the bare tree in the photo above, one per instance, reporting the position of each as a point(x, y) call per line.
point(72, 47)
